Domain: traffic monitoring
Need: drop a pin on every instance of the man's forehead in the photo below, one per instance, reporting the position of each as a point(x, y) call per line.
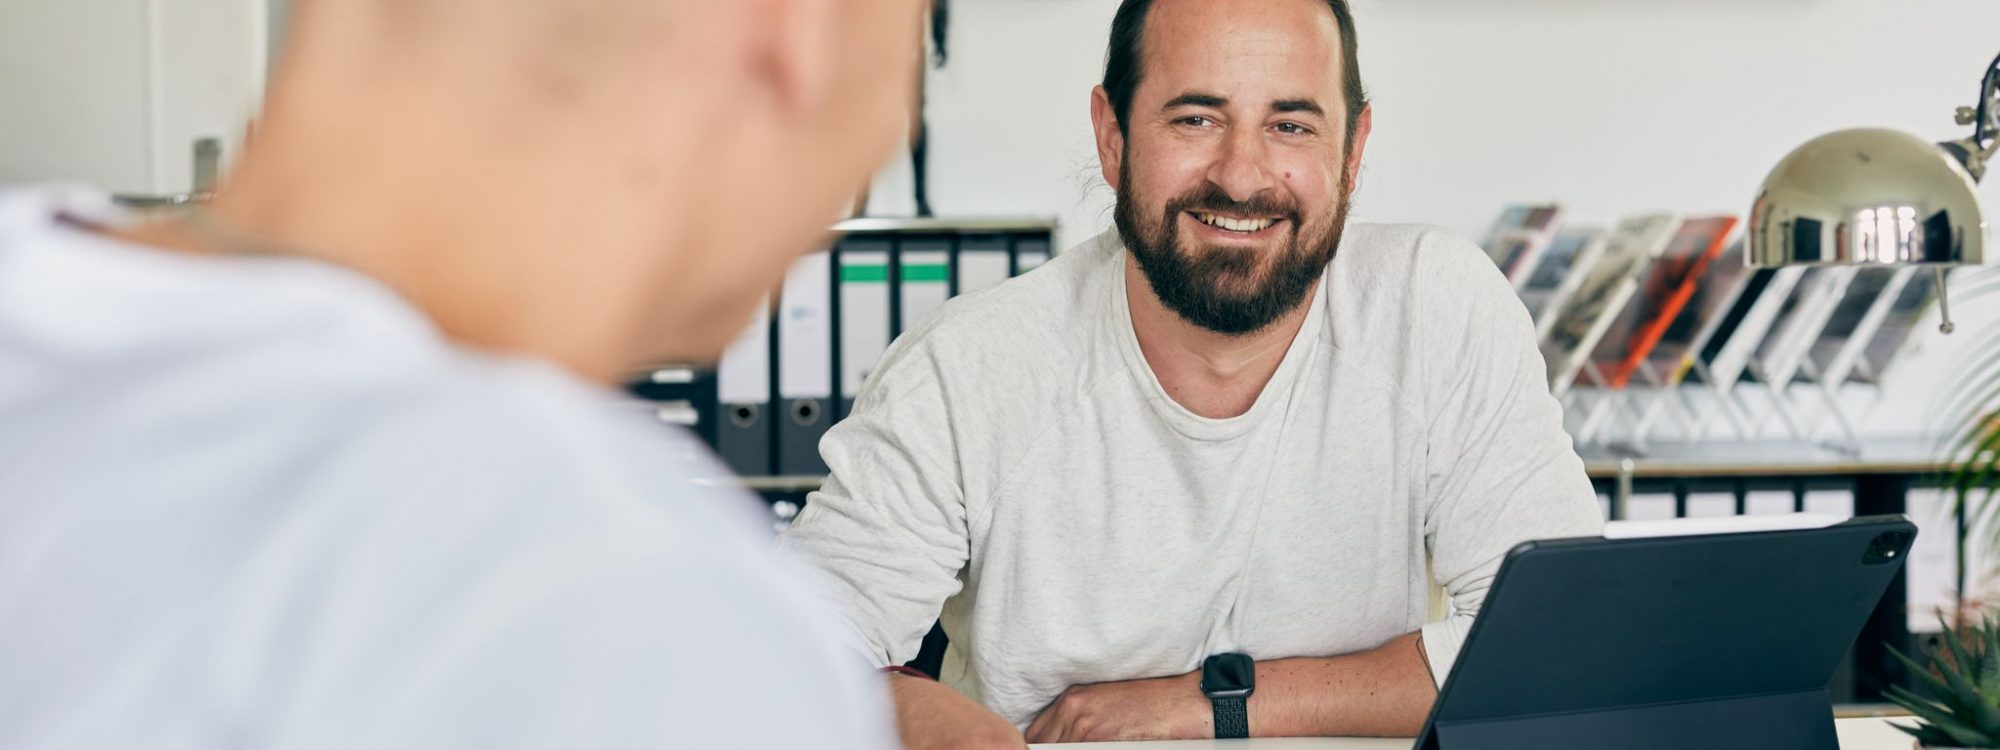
point(1267, 49)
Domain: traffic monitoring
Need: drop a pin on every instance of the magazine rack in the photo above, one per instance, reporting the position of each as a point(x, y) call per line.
point(1662, 397)
point(1603, 403)
point(1698, 411)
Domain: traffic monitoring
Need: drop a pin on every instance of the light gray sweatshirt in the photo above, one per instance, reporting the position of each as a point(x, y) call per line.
point(1014, 463)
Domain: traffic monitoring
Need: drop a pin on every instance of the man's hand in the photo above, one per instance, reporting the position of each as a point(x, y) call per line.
point(1168, 708)
point(930, 715)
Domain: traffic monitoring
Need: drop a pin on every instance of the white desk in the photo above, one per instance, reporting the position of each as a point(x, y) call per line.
point(1855, 734)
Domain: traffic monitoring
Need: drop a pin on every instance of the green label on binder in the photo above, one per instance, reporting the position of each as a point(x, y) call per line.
point(864, 273)
point(927, 272)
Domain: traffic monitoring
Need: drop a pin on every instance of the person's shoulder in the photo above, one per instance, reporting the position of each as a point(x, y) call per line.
point(1384, 251)
point(1406, 292)
point(36, 204)
point(596, 550)
point(531, 433)
point(1417, 266)
point(30, 213)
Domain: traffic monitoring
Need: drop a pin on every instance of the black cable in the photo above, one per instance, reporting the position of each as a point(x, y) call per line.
point(1989, 87)
point(941, 31)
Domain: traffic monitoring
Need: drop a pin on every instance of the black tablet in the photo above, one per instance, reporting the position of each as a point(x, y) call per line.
point(1716, 641)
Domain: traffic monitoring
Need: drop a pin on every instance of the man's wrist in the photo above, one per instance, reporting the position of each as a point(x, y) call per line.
point(1228, 681)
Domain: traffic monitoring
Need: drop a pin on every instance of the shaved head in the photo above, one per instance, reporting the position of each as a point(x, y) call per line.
point(604, 183)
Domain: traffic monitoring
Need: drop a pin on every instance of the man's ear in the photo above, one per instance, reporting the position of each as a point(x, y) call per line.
point(1110, 140)
point(1363, 125)
point(792, 50)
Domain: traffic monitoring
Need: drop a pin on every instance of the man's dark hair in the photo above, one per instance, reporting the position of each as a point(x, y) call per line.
point(1123, 64)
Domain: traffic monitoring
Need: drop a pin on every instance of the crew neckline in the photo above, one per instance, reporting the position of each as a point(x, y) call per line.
point(1303, 347)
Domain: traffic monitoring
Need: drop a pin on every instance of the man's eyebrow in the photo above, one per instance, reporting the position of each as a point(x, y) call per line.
point(1298, 105)
point(1197, 100)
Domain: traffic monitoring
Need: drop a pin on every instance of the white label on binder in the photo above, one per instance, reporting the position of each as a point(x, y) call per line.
point(864, 315)
point(1711, 505)
point(1651, 507)
point(1932, 569)
point(1769, 503)
point(805, 330)
point(979, 269)
point(744, 375)
point(926, 279)
point(1830, 503)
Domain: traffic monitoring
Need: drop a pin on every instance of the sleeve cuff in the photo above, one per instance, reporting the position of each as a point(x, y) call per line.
point(1441, 641)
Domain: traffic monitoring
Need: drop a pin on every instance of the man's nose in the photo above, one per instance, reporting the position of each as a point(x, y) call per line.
point(1242, 169)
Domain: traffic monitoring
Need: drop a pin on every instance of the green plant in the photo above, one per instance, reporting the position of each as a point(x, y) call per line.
point(1964, 678)
point(1964, 681)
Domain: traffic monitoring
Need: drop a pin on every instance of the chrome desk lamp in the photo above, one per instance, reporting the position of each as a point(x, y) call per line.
point(1881, 197)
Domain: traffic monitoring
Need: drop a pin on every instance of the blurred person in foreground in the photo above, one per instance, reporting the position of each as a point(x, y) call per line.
point(333, 461)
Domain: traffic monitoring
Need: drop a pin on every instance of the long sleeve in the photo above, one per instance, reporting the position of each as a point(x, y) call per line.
point(886, 535)
point(1501, 469)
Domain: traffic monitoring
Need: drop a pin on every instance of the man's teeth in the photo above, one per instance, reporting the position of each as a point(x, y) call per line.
point(1235, 225)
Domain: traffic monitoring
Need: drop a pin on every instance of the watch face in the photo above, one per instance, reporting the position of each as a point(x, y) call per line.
point(1228, 675)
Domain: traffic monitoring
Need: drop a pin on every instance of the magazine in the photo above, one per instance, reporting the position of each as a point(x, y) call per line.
point(1702, 319)
point(1792, 336)
point(1517, 241)
point(1725, 358)
point(1602, 295)
point(1906, 314)
point(1561, 268)
point(1664, 291)
point(1854, 323)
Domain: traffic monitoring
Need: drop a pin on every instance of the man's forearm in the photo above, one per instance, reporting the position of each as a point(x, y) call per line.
point(1382, 692)
point(930, 715)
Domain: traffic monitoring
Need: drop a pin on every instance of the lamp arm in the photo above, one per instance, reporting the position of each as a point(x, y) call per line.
point(1984, 118)
point(1989, 108)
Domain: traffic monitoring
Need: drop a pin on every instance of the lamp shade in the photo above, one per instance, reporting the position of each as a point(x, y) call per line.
point(1867, 196)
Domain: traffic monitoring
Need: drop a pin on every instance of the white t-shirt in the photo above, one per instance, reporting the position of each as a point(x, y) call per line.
point(259, 502)
point(1015, 462)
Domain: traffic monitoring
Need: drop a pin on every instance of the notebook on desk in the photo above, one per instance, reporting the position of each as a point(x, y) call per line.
point(1711, 640)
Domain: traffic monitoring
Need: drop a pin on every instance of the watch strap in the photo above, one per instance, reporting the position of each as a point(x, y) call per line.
point(1232, 718)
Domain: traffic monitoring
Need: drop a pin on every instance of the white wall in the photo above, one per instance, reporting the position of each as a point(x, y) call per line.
point(1611, 107)
point(73, 98)
point(115, 92)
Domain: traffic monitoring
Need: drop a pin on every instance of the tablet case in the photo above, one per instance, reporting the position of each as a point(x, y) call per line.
point(1717, 642)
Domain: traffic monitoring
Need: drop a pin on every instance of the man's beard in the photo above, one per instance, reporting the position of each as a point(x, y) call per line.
point(1205, 286)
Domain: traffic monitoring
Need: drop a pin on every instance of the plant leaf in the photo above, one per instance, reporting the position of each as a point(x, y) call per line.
point(1953, 671)
point(1930, 678)
point(1963, 734)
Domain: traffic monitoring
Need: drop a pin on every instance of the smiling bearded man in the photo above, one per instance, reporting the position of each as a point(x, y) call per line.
point(1197, 477)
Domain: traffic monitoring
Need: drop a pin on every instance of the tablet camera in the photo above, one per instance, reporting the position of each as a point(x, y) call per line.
point(1888, 548)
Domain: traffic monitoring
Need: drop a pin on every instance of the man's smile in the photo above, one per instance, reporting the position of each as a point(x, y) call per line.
point(1236, 226)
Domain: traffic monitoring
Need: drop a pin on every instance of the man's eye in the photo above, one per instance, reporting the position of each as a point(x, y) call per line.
point(1293, 128)
point(1196, 121)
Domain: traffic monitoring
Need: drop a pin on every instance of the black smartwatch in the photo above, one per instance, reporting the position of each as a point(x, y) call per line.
point(1228, 680)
